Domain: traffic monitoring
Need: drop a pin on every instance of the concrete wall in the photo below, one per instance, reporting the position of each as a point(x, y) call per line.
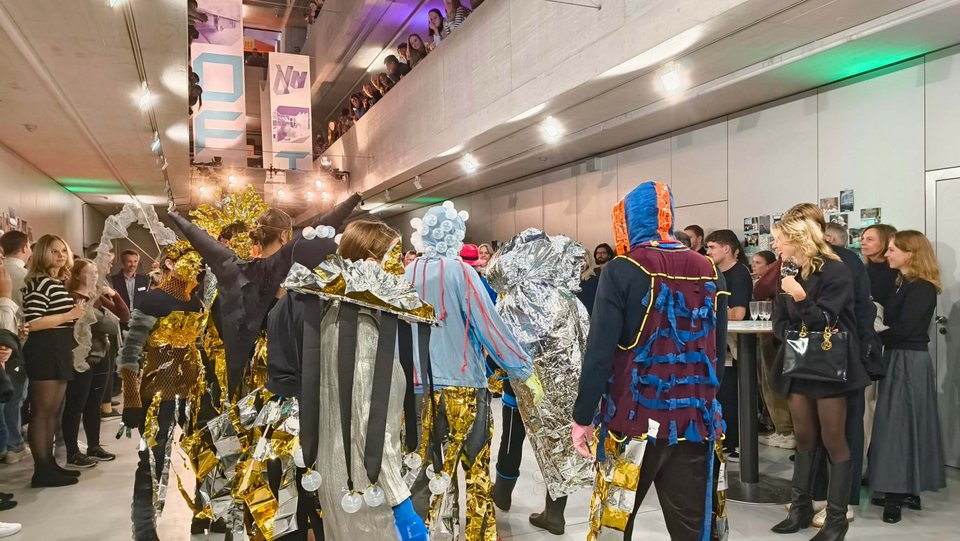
point(44, 204)
point(876, 134)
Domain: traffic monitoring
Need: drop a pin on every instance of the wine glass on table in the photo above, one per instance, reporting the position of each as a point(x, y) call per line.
point(754, 310)
point(766, 307)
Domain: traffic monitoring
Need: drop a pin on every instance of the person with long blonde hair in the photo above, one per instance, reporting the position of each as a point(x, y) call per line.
point(51, 313)
point(906, 453)
point(817, 297)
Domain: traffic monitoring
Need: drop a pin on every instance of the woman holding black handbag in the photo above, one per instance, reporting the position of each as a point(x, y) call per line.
point(813, 314)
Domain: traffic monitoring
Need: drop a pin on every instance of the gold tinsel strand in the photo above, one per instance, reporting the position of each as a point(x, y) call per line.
point(243, 206)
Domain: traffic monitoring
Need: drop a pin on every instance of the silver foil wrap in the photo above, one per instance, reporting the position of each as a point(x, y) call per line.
point(535, 277)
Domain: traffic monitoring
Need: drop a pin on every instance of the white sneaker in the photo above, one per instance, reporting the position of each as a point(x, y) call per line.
point(818, 506)
point(783, 441)
point(9, 528)
point(15, 456)
point(821, 517)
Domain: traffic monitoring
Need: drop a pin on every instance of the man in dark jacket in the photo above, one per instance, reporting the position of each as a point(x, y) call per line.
point(130, 284)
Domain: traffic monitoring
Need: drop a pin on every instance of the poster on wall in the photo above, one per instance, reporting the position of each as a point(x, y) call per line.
point(219, 125)
point(870, 216)
point(842, 219)
point(846, 201)
point(290, 128)
point(830, 204)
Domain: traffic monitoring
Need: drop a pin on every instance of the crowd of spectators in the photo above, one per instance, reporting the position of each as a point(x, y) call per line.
point(409, 53)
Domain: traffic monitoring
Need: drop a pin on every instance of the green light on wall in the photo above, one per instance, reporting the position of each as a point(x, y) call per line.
point(870, 62)
point(428, 200)
point(91, 185)
point(848, 61)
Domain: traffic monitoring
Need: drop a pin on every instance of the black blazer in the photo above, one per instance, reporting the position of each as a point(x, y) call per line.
point(141, 284)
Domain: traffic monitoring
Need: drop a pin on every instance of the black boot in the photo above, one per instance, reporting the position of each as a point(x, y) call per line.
point(503, 493)
point(551, 519)
point(48, 476)
point(801, 502)
point(142, 512)
point(838, 497)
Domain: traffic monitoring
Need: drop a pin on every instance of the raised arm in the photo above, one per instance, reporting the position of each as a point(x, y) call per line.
point(218, 257)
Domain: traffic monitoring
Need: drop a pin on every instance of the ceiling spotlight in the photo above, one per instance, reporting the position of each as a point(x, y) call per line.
point(386, 194)
point(309, 196)
point(318, 183)
point(232, 180)
point(671, 80)
point(416, 183)
point(155, 146)
point(281, 193)
point(325, 161)
point(145, 98)
point(203, 189)
point(325, 196)
point(468, 163)
point(551, 128)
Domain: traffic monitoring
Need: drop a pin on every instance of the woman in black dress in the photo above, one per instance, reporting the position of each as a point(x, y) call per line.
point(906, 450)
point(818, 297)
point(51, 312)
point(873, 246)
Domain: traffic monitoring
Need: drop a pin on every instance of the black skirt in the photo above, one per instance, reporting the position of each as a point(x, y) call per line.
point(857, 378)
point(49, 354)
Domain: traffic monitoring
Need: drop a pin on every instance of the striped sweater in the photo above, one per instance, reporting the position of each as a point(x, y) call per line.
point(44, 296)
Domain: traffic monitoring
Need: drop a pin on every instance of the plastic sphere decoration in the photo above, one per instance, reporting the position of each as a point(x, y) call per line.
point(442, 247)
point(298, 457)
point(416, 223)
point(430, 220)
point(437, 234)
point(440, 483)
point(373, 496)
point(337, 238)
point(351, 502)
point(413, 461)
point(448, 204)
point(464, 215)
point(311, 481)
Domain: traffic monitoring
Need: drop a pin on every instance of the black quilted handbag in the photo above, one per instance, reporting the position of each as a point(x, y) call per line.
point(817, 356)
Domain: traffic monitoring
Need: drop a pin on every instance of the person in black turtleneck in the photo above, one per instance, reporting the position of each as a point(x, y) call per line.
point(873, 246)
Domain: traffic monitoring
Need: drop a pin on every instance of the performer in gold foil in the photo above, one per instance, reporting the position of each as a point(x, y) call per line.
point(535, 277)
point(457, 411)
point(650, 370)
point(357, 388)
point(160, 366)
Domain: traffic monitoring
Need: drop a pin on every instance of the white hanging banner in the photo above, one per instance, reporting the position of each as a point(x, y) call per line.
point(220, 126)
point(289, 123)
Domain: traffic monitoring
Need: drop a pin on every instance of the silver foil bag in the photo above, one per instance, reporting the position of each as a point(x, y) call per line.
point(536, 277)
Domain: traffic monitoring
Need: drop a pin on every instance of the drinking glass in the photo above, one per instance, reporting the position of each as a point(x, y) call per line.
point(765, 308)
point(754, 310)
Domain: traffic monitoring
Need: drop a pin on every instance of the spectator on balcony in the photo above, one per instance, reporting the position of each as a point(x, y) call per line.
point(395, 68)
point(333, 132)
point(416, 50)
point(356, 106)
point(371, 93)
point(403, 53)
point(345, 122)
point(456, 14)
point(384, 83)
point(438, 26)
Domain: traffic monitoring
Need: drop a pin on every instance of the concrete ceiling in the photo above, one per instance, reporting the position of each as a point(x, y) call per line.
point(274, 15)
point(809, 44)
point(68, 94)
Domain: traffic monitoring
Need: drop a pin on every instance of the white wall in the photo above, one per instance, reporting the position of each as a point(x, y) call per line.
point(876, 134)
point(44, 204)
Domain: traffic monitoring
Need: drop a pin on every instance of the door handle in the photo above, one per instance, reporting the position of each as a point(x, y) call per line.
point(941, 320)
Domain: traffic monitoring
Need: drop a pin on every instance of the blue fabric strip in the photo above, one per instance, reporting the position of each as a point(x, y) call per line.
point(502, 476)
point(509, 401)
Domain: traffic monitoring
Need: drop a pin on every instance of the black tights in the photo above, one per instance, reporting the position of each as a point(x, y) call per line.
point(84, 397)
point(45, 399)
point(821, 420)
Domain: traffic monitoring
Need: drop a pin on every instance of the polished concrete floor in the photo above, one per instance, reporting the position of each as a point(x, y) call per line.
point(98, 508)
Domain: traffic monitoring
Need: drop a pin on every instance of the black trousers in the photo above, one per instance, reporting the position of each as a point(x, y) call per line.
point(856, 404)
point(82, 401)
point(142, 512)
point(681, 477)
point(729, 397)
point(510, 453)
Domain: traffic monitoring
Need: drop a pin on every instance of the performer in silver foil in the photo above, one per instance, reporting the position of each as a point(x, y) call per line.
point(536, 277)
point(361, 389)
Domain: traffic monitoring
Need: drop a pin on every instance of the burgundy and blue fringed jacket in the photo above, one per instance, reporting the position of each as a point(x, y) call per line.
point(654, 341)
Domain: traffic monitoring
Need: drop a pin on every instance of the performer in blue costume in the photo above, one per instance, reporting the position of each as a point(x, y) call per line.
point(651, 371)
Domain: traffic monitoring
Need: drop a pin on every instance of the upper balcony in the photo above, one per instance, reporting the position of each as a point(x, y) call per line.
point(523, 86)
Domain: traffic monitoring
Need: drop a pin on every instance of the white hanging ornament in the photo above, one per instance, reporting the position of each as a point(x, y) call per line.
point(448, 204)
point(351, 502)
point(311, 481)
point(373, 496)
point(298, 457)
point(309, 233)
point(337, 238)
point(413, 461)
point(416, 223)
point(430, 220)
point(464, 215)
point(440, 483)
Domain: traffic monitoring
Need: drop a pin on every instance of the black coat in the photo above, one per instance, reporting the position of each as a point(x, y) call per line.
point(10, 340)
point(246, 289)
point(829, 301)
point(141, 286)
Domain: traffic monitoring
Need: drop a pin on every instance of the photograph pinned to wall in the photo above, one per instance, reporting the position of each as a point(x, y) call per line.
point(750, 225)
point(751, 240)
point(830, 204)
point(870, 216)
point(777, 218)
point(846, 201)
point(842, 219)
point(854, 234)
point(764, 224)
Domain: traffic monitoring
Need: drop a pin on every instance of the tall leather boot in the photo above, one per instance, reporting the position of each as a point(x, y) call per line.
point(801, 502)
point(551, 519)
point(838, 497)
point(142, 512)
point(503, 493)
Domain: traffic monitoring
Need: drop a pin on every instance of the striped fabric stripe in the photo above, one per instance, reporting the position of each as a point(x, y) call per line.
point(44, 296)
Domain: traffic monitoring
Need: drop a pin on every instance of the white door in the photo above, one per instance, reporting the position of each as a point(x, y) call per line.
point(946, 328)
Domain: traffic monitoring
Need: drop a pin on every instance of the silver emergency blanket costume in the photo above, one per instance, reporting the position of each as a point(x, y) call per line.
point(535, 277)
point(367, 301)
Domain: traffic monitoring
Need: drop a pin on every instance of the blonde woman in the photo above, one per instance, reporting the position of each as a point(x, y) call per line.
point(51, 313)
point(906, 451)
point(817, 297)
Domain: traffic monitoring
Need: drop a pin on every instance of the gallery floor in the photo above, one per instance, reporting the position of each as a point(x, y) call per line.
point(99, 507)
